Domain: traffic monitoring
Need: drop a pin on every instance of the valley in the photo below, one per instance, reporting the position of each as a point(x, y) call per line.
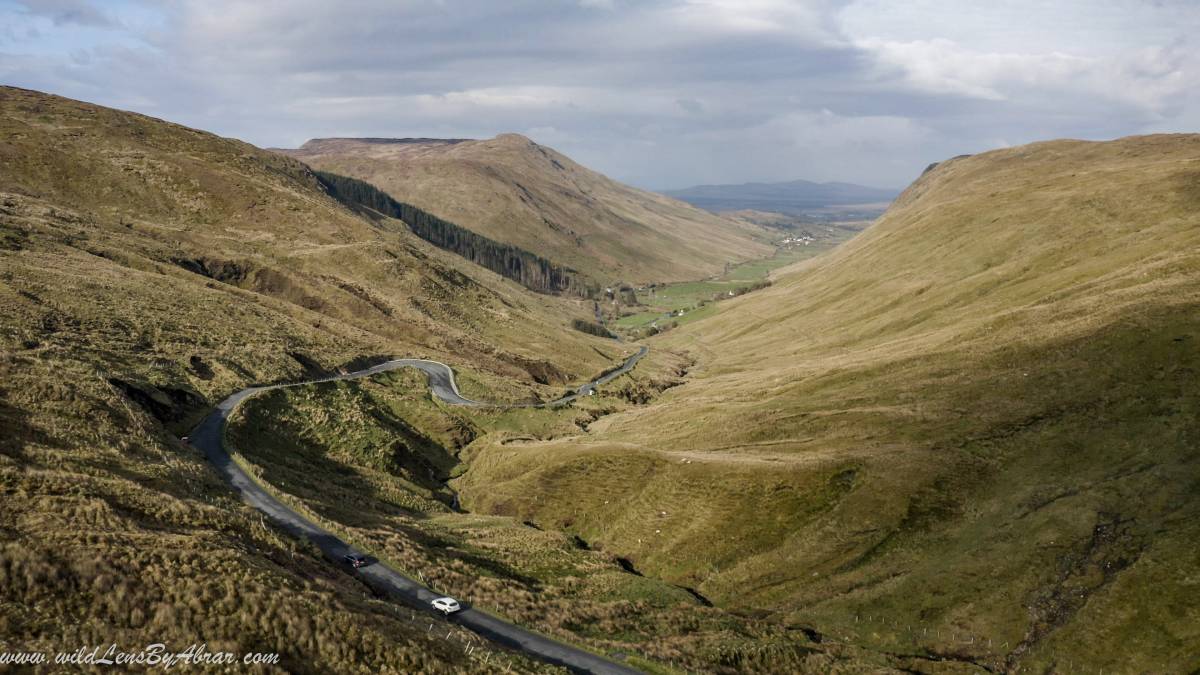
point(963, 434)
point(960, 438)
point(381, 576)
point(660, 307)
point(352, 457)
point(148, 271)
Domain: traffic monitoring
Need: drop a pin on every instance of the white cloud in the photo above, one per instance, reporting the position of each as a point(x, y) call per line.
point(1147, 78)
point(804, 19)
point(659, 92)
point(492, 98)
point(826, 129)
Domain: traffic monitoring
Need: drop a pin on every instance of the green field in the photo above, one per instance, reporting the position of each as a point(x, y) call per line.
point(660, 306)
point(753, 270)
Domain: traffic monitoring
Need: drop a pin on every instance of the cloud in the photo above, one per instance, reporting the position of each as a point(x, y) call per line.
point(659, 92)
point(1147, 78)
point(62, 12)
point(824, 129)
point(806, 20)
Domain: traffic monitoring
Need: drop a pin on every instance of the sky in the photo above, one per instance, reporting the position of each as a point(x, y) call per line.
point(658, 93)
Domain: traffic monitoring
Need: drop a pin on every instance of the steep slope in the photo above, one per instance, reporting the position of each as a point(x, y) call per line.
point(147, 270)
point(528, 269)
point(515, 191)
point(199, 210)
point(968, 434)
point(792, 197)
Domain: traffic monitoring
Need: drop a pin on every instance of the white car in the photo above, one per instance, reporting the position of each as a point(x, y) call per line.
point(446, 605)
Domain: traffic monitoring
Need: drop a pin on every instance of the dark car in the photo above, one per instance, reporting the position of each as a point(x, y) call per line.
point(354, 560)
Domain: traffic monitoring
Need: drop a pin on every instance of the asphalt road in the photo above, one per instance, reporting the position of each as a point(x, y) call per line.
point(208, 436)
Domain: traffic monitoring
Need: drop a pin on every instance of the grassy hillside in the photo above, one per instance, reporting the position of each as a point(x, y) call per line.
point(968, 434)
point(966, 440)
point(367, 458)
point(529, 270)
point(513, 190)
point(146, 271)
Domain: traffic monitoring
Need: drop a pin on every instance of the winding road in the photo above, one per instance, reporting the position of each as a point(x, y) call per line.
point(208, 437)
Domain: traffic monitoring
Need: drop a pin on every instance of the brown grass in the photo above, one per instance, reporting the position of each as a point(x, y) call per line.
point(516, 191)
point(966, 433)
point(318, 448)
point(148, 270)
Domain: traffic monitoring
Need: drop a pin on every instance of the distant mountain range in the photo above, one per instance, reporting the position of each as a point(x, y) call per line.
point(794, 197)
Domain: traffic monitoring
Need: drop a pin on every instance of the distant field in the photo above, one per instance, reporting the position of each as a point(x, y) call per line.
point(665, 303)
point(638, 320)
point(754, 270)
point(695, 298)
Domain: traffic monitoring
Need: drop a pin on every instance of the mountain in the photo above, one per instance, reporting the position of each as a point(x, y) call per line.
point(964, 441)
point(515, 191)
point(793, 197)
point(148, 270)
point(968, 435)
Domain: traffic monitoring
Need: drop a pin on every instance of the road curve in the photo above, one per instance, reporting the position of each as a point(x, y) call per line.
point(208, 437)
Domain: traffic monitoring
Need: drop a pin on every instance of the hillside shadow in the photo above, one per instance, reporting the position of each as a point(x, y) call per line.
point(342, 494)
point(17, 431)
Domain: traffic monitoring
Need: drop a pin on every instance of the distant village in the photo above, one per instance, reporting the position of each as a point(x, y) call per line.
point(797, 240)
